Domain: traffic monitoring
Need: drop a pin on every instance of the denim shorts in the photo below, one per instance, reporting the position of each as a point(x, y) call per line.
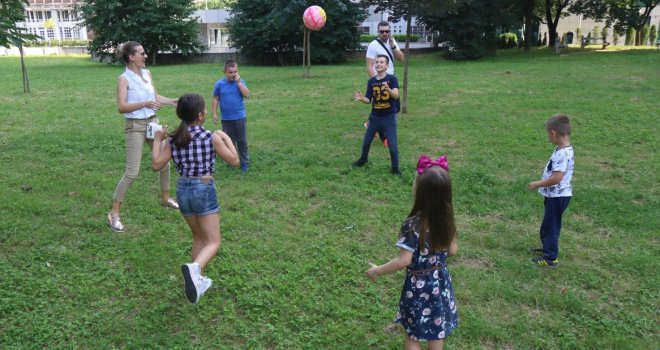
point(196, 196)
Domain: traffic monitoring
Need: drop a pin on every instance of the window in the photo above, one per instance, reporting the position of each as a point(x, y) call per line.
point(39, 16)
point(63, 16)
point(67, 33)
point(50, 33)
point(75, 33)
point(225, 37)
point(363, 30)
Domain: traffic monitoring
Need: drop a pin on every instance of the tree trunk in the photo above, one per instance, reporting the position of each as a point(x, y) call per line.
point(26, 80)
point(552, 27)
point(404, 100)
point(528, 13)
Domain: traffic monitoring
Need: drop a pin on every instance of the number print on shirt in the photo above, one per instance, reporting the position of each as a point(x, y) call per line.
point(381, 97)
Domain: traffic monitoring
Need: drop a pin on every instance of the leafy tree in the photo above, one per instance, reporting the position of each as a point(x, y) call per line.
point(527, 7)
point(159, 25)
point(618, 14)
point(12, 11)
point(551, 11)
point(274, 28)
point(631, 33)
point(471, 25)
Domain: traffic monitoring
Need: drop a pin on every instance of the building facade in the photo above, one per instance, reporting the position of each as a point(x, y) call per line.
point(54, 20)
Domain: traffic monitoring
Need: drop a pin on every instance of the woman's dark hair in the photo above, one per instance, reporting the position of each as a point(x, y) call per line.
point(187, 109)
point(433, 206)
point(126, 49)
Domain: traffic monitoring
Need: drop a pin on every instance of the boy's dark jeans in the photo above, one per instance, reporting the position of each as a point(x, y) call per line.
point(551, 225)
point(237, 130)
point(384, 126)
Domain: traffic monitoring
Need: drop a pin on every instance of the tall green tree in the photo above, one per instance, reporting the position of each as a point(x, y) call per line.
point(274, 28)
point(159, 25)
point(12, 11)
point(618, 14)
point(471, 25)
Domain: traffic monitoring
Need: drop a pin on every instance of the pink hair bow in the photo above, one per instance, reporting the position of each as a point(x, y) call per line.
point(425, 162)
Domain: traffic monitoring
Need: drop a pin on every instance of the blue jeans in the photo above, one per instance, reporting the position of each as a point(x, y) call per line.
point(551, 225)
point(384, 126)
point(196, 196)
point(237, 131)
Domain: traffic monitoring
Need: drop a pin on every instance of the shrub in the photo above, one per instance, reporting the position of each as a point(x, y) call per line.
point(615, 37)
point(507, 41)
point(578, 35)
point(630, 36)
point(595, 33)
point(604, 33)
point(653, 35)
point(400, 38)
point(644, 39)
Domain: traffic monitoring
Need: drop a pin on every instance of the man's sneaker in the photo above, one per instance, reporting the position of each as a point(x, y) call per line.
point(359, 163)
point(115, 223)
point(536, 251)
point(541, 261)
point(191, 278)
point(396, 172)
point(204, 284)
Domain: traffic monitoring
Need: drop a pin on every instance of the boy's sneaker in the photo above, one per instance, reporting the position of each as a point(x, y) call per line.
point(244, 168)
point(396, 172)
point(359, 163)
point(536, 251)
point(385, 143)
point(204, 284)
point(191, 277)
point(541, 261)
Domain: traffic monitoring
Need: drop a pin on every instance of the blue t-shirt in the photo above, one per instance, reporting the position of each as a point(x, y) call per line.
point(231, 99)
point(382, 104)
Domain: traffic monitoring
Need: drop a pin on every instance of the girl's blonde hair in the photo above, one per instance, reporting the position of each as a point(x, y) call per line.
point(433, 206)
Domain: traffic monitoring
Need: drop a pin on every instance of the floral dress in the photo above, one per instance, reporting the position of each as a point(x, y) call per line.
point(427, 308)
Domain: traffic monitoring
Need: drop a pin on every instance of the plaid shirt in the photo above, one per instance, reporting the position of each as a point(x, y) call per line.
point(198, 158)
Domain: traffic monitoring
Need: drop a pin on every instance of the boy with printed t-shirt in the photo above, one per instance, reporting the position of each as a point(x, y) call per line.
point(382, 90)
point(555, 186)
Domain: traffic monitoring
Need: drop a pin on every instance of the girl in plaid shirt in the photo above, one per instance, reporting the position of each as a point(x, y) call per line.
point(193, 150)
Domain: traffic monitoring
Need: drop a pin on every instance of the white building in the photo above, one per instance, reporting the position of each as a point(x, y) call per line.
point(54, 20)
point(572, 22)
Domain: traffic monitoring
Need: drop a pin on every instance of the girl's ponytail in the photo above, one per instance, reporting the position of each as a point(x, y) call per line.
point(187, 109)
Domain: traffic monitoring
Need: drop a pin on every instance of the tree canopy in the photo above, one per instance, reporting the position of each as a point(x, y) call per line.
point(274, 28)
point(158, 25)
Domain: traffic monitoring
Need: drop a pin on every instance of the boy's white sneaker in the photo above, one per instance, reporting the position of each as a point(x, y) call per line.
point(191, 278)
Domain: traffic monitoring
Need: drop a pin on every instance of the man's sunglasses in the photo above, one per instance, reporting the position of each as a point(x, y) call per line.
point(384, 31)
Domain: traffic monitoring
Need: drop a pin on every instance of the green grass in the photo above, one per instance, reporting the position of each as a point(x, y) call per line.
point(300, 228)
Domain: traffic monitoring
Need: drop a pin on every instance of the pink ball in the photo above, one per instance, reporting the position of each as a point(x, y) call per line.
point(314, 18)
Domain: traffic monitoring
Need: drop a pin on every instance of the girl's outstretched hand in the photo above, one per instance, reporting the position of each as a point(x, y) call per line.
point(372, 272)
point(357, 96)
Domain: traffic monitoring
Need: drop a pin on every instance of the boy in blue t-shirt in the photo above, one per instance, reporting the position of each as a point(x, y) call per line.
point(229, 93)
point(382, 91)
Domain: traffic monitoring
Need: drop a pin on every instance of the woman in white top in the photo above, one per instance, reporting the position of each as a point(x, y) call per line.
point(138, 100)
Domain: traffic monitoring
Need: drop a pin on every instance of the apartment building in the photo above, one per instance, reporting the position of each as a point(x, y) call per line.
point(54, 20)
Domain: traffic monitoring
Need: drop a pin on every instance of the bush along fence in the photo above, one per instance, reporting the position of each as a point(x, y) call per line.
point(367, 38)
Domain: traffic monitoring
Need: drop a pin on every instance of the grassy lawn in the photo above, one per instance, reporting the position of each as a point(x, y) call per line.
point(301, 226)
